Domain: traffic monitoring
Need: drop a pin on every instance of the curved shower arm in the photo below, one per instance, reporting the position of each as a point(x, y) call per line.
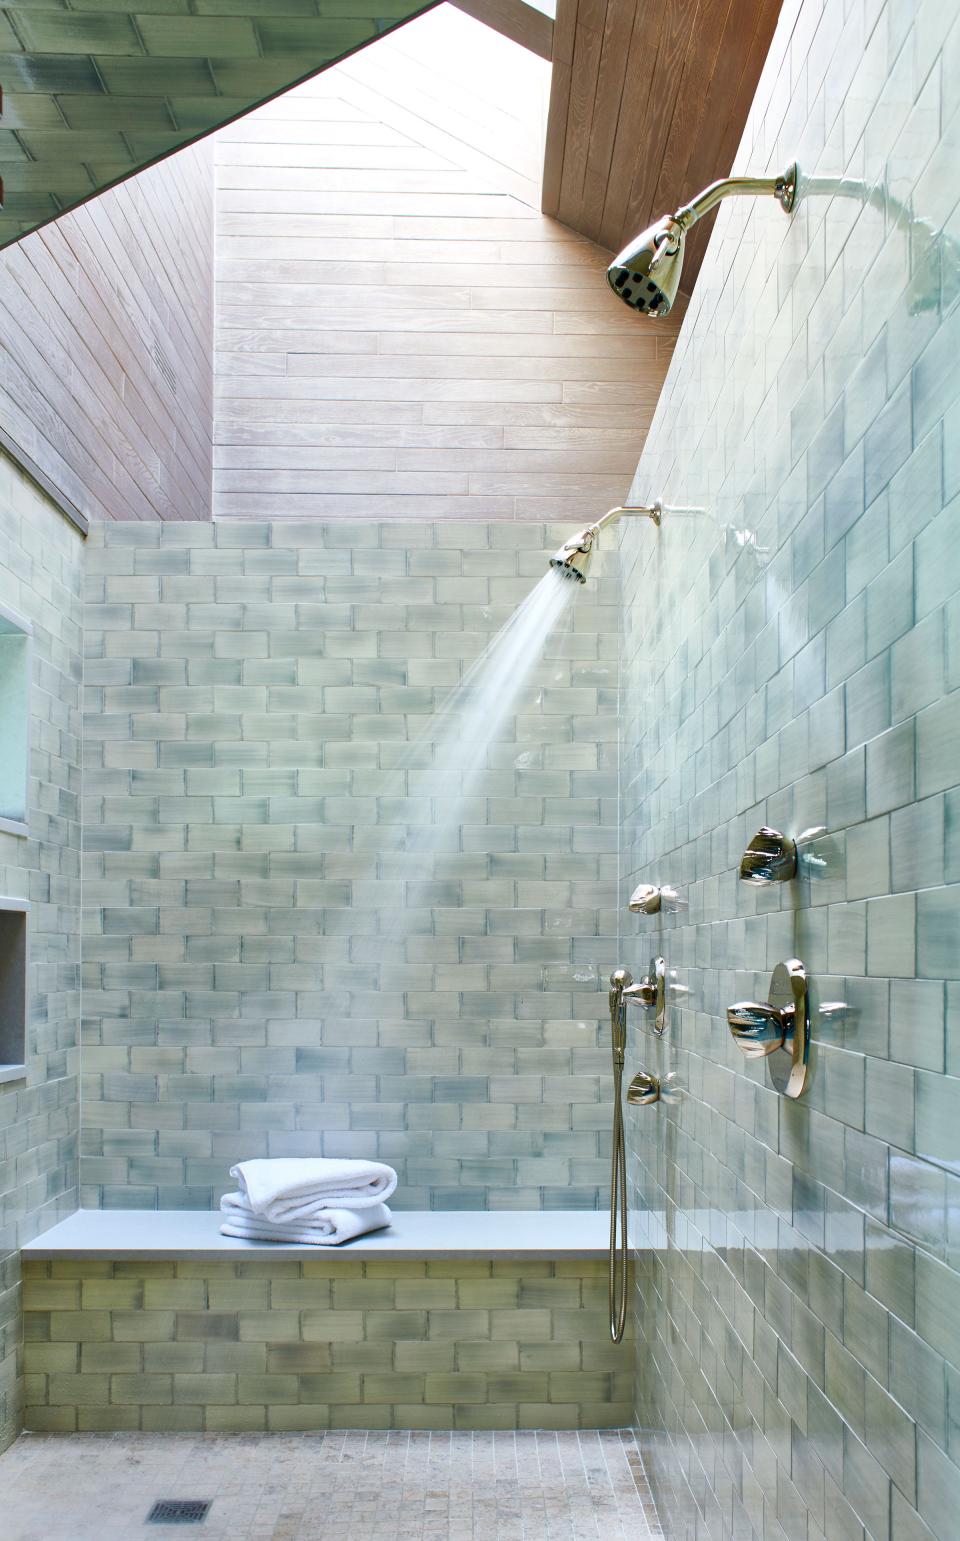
point(652, 511)
point(783, 188)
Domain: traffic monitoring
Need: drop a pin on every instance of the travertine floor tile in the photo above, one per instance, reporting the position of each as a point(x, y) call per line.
point(350, 1486)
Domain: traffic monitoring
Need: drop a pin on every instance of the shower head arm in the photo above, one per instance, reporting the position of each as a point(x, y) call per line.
point(628, 511)
point(573, 558)
point(783, 188)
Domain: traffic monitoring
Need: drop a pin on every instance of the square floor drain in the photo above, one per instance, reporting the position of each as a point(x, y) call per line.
point(179, 1511)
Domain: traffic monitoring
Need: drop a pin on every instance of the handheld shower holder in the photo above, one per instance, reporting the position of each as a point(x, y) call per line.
point(651, 993)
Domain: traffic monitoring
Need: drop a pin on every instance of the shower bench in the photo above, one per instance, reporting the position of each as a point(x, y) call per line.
point(144, 1319)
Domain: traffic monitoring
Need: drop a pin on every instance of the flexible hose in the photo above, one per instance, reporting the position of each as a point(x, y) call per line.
point(618, 1175)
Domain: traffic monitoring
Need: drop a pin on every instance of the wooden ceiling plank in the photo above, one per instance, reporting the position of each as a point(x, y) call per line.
point(681, 24)
point(611, 78)
point(705, 163)
point(556, 138)
point(515, 19)
point(632, 123)
point(583, 90)
point(654, 110)
point(689, 124)
point(564, 40)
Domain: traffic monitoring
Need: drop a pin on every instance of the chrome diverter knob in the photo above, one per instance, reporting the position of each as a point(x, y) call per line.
point(778, 1029)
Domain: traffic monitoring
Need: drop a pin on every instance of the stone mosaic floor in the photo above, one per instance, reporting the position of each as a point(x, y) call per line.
point(314, 1487)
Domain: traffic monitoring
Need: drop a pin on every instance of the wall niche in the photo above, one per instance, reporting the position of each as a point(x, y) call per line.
point(13, 988)
point(15, 642)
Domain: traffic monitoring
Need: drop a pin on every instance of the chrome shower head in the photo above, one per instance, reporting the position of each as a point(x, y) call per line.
point(646, 274)
point(573, 558)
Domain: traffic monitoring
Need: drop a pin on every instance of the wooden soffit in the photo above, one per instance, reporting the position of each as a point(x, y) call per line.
point(647, 106)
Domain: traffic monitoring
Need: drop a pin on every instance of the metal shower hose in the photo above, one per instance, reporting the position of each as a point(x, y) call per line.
point(618, 1171)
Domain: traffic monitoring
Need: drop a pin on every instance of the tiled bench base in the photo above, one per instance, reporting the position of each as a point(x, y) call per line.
point(321, 1342)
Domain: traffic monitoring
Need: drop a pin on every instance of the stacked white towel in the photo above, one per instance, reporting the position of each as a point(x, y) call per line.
point(320, 1201)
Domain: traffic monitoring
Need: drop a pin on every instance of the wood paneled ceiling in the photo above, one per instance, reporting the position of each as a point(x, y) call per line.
point(94, 90)
point(647, 106)
point(97, 89)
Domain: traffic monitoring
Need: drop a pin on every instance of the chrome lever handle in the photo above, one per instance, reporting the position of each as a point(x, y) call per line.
point(643, 1089)
point(649, 899)
point(759, 1029)
point(769, 858)
point(762, 1029)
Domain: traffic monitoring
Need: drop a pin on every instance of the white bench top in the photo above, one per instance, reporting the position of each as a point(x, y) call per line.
point(127, 1234)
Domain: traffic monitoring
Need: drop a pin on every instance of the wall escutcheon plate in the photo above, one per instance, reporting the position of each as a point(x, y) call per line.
point(789, 1065)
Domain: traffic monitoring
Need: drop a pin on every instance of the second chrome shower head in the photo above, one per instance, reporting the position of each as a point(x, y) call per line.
point(574, 556)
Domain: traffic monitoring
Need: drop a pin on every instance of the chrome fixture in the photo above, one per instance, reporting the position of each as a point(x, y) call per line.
point(769, 858)
point(736, 540)
point(778, 1029)
point(620, 982)
point(648, 899)
point(651, 993)
point(643, 1089)
point(646, 274)
point(573, 558)
point(775, 858)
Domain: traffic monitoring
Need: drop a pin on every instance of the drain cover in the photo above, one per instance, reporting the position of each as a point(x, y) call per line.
point(179, 1511)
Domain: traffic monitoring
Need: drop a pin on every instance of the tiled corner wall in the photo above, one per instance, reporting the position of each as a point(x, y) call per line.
point(249, 989)
point(325, 1343)
point(799, 1301)
point(41, 559)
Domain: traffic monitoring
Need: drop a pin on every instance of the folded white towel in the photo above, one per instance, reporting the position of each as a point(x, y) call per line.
point(293, 1190)
point(328, 1230)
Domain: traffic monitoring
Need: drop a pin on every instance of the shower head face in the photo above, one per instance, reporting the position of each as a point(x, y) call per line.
point(573, 558)
point(646, 274)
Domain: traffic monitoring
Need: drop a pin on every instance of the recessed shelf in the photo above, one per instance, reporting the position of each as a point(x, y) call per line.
point(15, 635)
point(13, 988)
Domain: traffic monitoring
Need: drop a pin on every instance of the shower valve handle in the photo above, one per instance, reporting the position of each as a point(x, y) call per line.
point(769, 858)
point(643, 1089)
point(651, 993)
point(762, 1028)
point(648, 899)
point(758, 1028)
point(645, 993)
